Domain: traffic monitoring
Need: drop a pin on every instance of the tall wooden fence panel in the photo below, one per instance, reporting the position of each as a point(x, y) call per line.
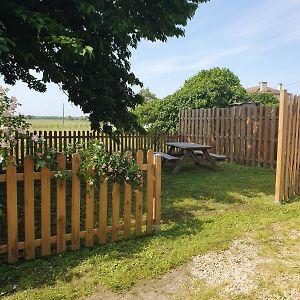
point(42, 216)
point(288, 154)
point(246, 135)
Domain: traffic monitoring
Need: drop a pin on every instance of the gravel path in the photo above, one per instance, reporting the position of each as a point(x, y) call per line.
point(238, 270)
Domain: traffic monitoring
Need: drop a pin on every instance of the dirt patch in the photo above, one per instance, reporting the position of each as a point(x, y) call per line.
point(240, 270)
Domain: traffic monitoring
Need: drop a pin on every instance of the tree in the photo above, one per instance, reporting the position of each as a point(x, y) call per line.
point(147, 95)
point(209, 88)
point(85, 47)
point(264, 98)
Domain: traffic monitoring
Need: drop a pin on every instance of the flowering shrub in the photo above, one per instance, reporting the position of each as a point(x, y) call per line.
point(95, 163)
point(42, 156)
point(11, 123)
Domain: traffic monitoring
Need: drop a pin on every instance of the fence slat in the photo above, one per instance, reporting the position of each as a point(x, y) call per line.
point(89, 217)
point(75, 202)
point(115, 211)
point(12, 212)
point(157, 211)
point(61, 206)
point(150, 174)
point(103, 211)
point(127, 210)
point(45, 212)
point(29, 207)
point(139, 198)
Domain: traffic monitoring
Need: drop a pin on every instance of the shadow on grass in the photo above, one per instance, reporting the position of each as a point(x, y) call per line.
point(184, 196)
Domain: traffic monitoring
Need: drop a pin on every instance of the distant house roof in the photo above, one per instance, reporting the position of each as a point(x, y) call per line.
point(256, 89)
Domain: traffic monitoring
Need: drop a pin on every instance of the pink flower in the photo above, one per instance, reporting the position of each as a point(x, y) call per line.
point(127, 178)
point(7, 113)
point(5, 129)
point(11, 138)
point(104, 166)
point(35, 138)
point(3, 144)
point(39, 154)
point(110, 169)
point(20, 130)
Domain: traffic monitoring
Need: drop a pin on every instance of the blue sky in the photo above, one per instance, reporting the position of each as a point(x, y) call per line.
point(257, 40)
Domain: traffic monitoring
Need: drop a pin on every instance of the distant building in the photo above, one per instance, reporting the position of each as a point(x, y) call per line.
point(264, 88)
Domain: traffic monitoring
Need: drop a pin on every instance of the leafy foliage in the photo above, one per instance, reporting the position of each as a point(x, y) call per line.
point(264, 98)
point(12, 126)
point(97, 164)
point(209, 88)
point(147, 95)
point(85, 47)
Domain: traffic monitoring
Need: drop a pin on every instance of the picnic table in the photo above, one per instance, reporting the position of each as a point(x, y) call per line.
point(187, 153)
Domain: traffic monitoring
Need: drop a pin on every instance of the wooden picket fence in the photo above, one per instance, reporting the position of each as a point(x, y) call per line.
point(60, 140)
point(288, 158)
point(46, 229)
point(246, 135)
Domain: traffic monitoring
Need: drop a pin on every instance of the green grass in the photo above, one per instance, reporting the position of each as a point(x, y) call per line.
point(57, 124)
point(201, 211)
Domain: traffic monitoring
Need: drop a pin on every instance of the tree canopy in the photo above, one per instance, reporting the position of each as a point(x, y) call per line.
point(265, 98)
point(209, 88)
point(85, 47)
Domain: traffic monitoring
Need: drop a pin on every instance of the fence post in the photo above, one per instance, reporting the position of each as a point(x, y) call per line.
point(281, 148)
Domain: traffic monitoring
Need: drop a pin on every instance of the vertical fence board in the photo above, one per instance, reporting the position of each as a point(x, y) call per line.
point(75, 202)
point(61, 206)
point(115, 211)
point(139, 198)
point(103, 211)
point(45, 212)
point(150, 174)
point(12, 212)
point(29, 207)
point(127, 210)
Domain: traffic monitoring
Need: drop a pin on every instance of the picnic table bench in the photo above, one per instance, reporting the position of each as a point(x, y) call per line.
point(217, 157)
point(186, 150)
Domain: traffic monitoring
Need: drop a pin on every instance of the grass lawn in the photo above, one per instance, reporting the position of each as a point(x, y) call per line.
point(201, 211)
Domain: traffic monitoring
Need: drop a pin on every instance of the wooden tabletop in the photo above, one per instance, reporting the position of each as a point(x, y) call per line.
point(188, 146)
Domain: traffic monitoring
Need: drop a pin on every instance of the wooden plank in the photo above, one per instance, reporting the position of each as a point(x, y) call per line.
point(218, 130)
point(222, 132)
point(89, 214)
point(150, 174)
point(127, 210)
point(254, 136)
point(157, 211)
point(259, 141)
point(249, 131)
point(282, 126)
point(115, 211)
point(243, 135)
point(61, 206)
point(12, 211)
point(103, 211)
point(232, 134)
point(75, 202)
point(288, 147)
point(139, 197)
point(272, 137)
point(45, 212)
point(29, 207)
point(293, 150)
point(267, 130)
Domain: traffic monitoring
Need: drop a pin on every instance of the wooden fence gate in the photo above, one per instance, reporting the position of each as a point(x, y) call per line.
point(41, 215)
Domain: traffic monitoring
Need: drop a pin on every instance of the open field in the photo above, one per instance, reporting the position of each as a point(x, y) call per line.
point(57, 124)
point(203, 213)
